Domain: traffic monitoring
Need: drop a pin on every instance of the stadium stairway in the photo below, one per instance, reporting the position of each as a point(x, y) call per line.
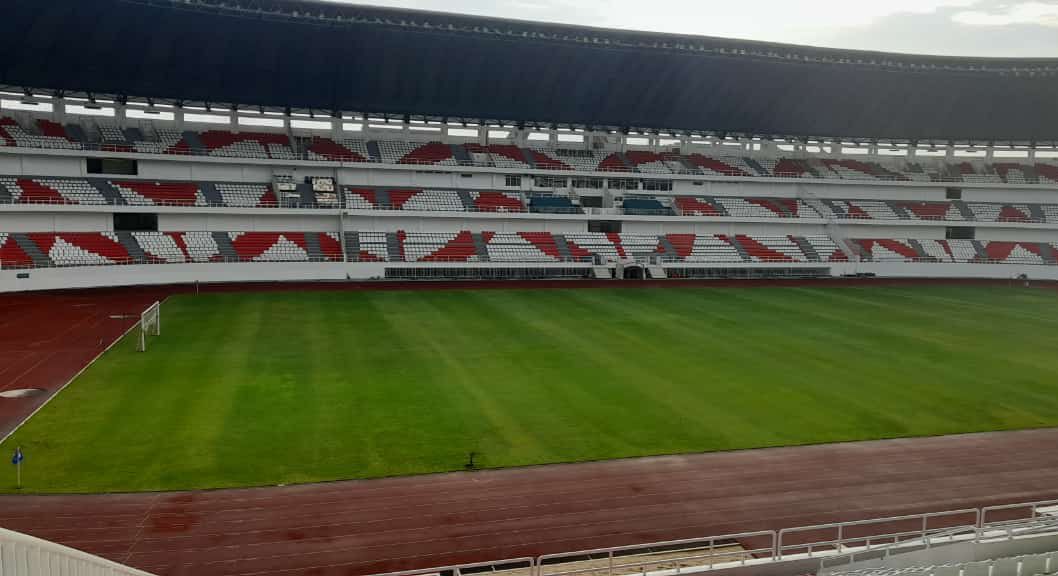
point(807, 248)
point(1036, 213)
point(209, 192)
point(899, 210)
point(563, 247)
point(225, 246)
point(461, 155)
point(755, 165)
point(980, 248)
point(374, 151)
point(917, 246)
point(76, 132)
point(312, 247)
point(739, 247)
point(964, 209)
point(352, 247)
point(40, 259)
point(686, 164)
point(307, 197)
point(479, 246)
point(382, 200)
point(195, 143)
point(5, 195)
point(132, 247)
point(627, 164)
point(666, 243)
point(468, 202)
point(1048, 253)
point(393, 249)
point(108, 191)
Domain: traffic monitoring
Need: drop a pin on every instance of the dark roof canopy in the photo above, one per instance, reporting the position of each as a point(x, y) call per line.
point(305, 54)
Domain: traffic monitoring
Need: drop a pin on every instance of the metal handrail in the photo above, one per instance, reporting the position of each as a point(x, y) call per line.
point(840, 527)
point(1033, 506)
point(708, 544)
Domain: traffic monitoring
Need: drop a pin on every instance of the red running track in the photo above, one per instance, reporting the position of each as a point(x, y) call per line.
point(361, 527)
point(46, 339)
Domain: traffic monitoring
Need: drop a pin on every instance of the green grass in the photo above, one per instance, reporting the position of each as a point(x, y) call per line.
point(252, 389)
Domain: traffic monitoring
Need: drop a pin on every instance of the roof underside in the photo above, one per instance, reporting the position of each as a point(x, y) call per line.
point(332, 58)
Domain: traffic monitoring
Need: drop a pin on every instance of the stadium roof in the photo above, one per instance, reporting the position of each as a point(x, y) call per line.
point(328, 57)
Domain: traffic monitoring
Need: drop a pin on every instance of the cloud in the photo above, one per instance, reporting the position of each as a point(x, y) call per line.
point(1031, 13)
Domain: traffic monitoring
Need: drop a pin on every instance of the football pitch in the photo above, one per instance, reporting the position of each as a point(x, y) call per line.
point(250, 389)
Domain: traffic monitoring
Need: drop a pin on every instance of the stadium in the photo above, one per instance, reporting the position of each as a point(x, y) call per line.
point(306, 288)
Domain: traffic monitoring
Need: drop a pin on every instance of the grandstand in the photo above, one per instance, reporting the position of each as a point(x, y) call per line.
point(176, 151)
point(794, 183)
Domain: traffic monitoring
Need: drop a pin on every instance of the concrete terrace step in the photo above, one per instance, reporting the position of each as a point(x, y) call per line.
point(209, 192)
point(479, 247)
point(312, 246)
point(108, 191)
point(39, 258)
point(132, 246)
point(224, 246)
point(807, 248)
point(352, 247)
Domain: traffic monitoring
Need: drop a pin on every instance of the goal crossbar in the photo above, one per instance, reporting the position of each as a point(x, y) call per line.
point(150, 324)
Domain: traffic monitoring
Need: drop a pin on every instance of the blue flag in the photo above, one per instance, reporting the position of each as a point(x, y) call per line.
point(18, 457)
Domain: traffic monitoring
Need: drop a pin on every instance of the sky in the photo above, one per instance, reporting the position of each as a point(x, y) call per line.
point(944, 27)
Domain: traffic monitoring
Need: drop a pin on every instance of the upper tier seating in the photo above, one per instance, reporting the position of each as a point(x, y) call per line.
point(337, 150)
point(158, 138)
point(248, 144)
point(46, 134)
point(578, 159)
point(497, 202)
point(144, 193)
point(51, 191)
point(428, 153)
point(498, 155)
point(247, 195)
point(430, 200)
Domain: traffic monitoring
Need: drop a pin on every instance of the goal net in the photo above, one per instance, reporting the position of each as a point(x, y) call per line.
point(150, 324)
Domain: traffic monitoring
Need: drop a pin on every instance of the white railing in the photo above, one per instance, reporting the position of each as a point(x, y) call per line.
point(24, 555)
point(839, 535)
point(675, 556)
point(835, 541)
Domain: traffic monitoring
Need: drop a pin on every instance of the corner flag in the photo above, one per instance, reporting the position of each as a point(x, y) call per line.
point(17, 459)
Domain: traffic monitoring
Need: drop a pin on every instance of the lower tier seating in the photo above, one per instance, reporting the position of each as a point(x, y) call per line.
point(23, 250)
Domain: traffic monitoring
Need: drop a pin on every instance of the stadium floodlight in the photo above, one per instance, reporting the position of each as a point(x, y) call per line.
point(150, 324)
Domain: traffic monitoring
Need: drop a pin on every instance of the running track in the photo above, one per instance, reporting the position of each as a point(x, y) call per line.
point(362, 527)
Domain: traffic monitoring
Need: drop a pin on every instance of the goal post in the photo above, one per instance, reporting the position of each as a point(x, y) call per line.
point(150, 324)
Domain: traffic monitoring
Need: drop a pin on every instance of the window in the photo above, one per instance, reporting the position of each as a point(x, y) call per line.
point(513, 181)
point(665, 185)
point(590, 183)
point(605, 226)
point(549, 182)
point(953, 193)
point(624, 184)
point(591, 201)
point(113, 166)
point(961, 233)
point(135, 222)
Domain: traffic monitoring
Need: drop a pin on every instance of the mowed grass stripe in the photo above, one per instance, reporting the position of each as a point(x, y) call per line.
point(258, 389)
